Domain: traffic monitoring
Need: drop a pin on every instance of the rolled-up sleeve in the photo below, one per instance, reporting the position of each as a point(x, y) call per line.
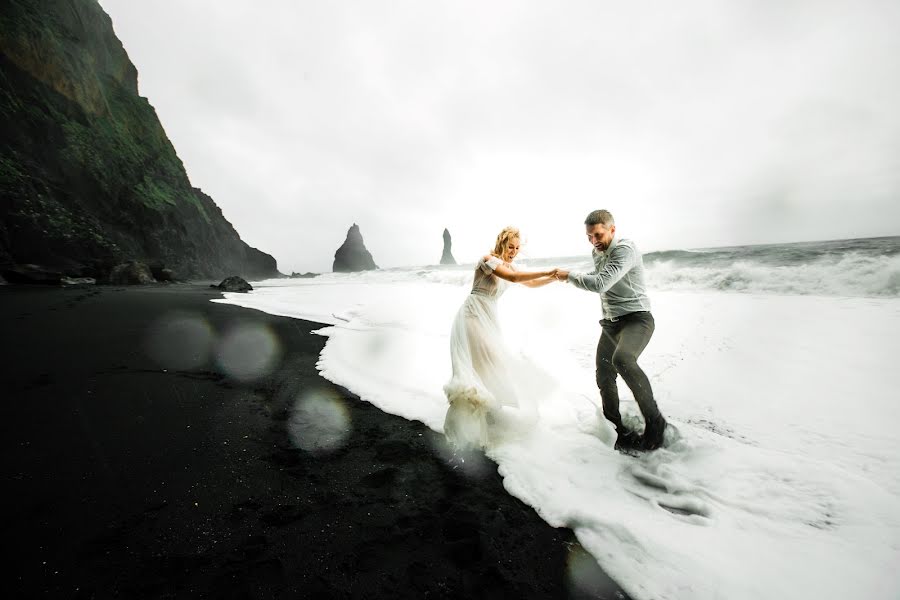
point(621, 260)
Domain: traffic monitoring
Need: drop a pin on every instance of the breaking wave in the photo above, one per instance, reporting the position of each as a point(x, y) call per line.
point(853, 274)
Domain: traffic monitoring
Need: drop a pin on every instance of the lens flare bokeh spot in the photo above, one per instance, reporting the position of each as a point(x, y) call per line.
point(248, 352)
point(180, 341)
point(470, 462)
point(319, 422)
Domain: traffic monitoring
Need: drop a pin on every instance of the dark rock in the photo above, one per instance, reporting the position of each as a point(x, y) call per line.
point(160, 272)
point(156, 268)
point(32, 274)
point(131, 273)
point(353, 255)
point(234, 284)
point(88, 175)
point(447, 255)
point(306, 275)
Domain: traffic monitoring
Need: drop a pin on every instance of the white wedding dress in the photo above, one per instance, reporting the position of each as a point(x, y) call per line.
point(485, 374)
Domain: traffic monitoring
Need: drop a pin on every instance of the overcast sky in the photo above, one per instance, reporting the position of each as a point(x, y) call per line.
point(697, 123)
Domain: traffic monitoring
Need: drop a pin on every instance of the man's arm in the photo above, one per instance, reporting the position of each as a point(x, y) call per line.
point(620, 262)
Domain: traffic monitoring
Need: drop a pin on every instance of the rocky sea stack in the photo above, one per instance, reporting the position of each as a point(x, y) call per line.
point(88, 177)
point(353, 255)
point(447, 255)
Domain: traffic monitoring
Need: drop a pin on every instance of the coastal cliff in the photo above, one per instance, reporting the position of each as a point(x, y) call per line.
point(88, 177)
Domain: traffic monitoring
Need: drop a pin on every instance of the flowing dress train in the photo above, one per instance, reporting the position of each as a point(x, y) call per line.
point(483, 367)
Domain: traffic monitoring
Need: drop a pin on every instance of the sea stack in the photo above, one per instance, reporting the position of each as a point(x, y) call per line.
point(447, 256)
point(353, 255)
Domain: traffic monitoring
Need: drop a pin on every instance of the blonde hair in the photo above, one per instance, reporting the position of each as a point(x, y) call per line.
point(501, 246)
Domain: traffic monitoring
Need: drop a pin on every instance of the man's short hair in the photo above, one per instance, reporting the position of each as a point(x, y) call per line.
point(600, 217)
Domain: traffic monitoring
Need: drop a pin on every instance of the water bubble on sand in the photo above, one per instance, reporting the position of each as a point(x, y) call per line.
point(248, 352)
point(470, 462)
point(319, 422)
point(180, 341)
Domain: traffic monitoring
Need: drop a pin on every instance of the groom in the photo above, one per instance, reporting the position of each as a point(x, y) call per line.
point(618, 277)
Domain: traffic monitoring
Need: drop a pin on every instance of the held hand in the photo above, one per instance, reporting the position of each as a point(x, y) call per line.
point(561, 274)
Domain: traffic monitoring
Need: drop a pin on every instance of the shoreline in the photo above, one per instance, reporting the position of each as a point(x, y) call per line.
point(127, 477)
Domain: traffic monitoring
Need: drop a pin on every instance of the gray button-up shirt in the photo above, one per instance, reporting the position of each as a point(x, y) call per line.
point(618, 277)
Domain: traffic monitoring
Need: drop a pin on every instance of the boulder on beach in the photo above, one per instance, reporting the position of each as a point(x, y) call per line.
point(160, 272)
point(131, 273)
point(166, 275)
point(353, 255)
point(447, 255)
point(234, 284)
point(31, 274)
point(306, 275)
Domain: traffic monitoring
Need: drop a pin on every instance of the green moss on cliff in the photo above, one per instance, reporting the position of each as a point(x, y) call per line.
point(61, 226)
point(127, 152)
point(87, 173)
point(51, 39)
point(12, 174)
point(117, 139)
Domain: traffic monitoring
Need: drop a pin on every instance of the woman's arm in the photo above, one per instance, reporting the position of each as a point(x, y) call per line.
point(504, 272)
point(536, 283)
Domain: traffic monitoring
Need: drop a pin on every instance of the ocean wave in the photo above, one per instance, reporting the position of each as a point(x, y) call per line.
point(853, 268)
point(853, 274)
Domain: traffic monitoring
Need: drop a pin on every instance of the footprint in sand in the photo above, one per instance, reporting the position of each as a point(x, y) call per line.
point(648, 479)
point(666, 494)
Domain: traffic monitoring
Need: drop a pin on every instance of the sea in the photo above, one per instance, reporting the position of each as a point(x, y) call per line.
point(776, 366)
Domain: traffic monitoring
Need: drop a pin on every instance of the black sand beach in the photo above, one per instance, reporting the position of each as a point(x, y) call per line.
point(124, 478)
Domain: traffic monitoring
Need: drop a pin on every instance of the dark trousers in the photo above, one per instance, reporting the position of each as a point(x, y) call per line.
point(621, 342)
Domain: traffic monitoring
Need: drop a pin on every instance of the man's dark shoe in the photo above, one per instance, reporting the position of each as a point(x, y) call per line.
point(654, 434)
point(628, 440)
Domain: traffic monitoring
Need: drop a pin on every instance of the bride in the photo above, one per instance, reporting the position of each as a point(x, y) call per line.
point(485, 377)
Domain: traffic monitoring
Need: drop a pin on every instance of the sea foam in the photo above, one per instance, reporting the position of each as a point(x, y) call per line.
point(781, 473)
